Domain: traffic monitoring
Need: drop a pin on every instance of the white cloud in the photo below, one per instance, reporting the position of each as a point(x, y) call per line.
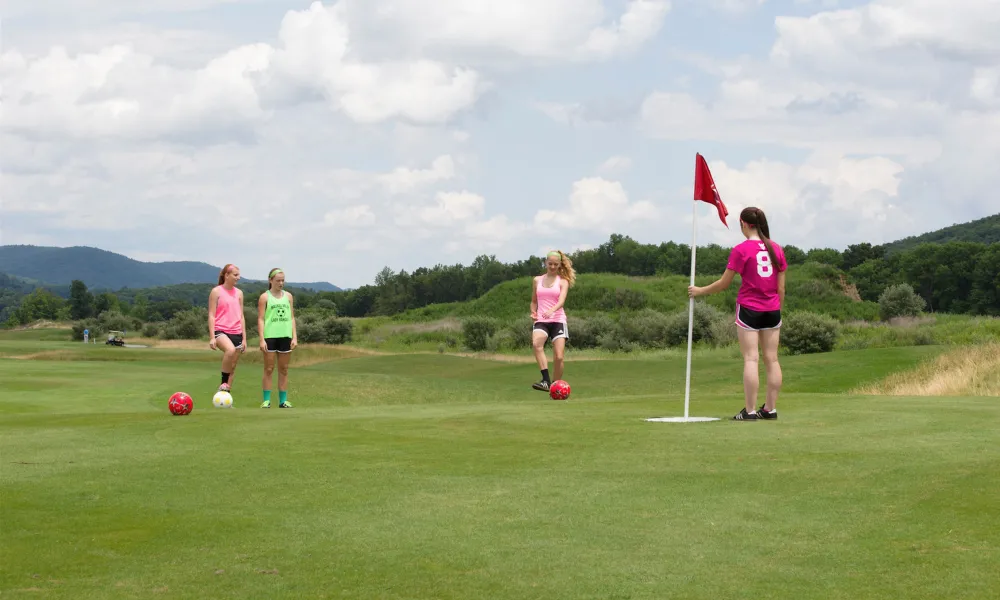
point(357, 216)
point(403, 179)
point(555, 30)
point(615, 165)
point(596, 204)
point(838, 200)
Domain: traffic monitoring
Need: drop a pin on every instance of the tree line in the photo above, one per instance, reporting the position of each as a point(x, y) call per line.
point(955, 277)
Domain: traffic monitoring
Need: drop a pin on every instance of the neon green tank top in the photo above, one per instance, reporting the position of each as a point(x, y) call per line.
point(277, 317)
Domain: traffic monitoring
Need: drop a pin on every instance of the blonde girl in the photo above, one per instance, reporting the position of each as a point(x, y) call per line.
point(548, 296)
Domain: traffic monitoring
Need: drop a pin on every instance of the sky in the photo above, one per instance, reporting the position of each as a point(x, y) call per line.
point(334, 139)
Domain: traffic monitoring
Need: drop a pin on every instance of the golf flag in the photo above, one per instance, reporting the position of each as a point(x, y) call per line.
point(704, 188)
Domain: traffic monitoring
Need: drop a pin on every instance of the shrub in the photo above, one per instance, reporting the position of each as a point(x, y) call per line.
point(612, 342)
point(704, 316)
point(722, 331)
point(326, 307)
point(585, 333)
point(90, 324)
point(900, 301)
point(337, 331)
point(116, 321)
point(187, 325)
point(518, 334)
point(309, 328)
point(151, 330)
point(476, 332)
point(808, 333)
point(648, 329)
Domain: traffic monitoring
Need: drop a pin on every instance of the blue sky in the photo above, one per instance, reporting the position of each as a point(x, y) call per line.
point(334, 139)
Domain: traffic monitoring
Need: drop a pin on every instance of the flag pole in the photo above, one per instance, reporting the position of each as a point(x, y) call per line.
point(687, 383)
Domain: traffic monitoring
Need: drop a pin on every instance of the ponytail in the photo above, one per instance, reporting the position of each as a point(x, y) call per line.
point(224, 272)
point(754, 217)
point(565, 267)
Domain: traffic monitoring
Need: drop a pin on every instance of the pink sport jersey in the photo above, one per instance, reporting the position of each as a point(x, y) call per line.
point(228, 311)
point(547, 299)
point(759, 290)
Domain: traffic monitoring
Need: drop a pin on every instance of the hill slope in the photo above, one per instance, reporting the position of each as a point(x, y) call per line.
point(984, 231)
point(101, 269)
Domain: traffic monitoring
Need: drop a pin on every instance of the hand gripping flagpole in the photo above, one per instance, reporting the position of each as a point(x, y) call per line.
point(701, 170)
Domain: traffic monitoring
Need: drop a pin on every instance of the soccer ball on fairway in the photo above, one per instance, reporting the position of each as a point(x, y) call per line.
point(180, 404)
point(222, 400)
point(559, 390)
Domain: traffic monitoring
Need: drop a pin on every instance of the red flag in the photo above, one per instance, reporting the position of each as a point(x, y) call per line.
point(704, 188)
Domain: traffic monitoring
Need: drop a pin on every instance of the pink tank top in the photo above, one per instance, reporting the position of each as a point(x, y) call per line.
point(547, 299)
point(228, 311)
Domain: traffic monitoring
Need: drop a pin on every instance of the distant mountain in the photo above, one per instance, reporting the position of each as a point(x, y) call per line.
point(101, 269)
point(984, 231)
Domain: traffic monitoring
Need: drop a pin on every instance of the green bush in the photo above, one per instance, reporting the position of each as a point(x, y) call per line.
point(476, 332)
point(518, 334)
point(647, 329)
point(151, 330)
point(187, 325)
point(900, 301)
point(337, 331)
point(309, 327)
point(586, 333)
point(90, 324)
point(325, 307)
point(704, 316)
point(808, 333)
point(116, 321)
point(722, 331)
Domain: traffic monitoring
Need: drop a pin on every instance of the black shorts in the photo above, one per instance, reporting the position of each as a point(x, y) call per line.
point(235, 338)
point(281, 345)
point(755, 320)
point(553, 330)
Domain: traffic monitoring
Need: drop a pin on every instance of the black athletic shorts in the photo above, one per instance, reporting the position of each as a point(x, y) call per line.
point(756, 320)
point(553, 330)
point(281, 345)
point(235, 338)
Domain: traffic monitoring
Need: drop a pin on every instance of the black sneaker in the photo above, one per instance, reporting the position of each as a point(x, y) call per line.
point(541, 386)
point(743, 415)
point(767, 415)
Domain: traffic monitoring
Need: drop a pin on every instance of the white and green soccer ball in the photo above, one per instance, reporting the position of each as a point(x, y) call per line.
point(222, 400)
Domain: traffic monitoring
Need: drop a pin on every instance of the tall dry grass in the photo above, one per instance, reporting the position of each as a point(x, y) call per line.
point(965, 371)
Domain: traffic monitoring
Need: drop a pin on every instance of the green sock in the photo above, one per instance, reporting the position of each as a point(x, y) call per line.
point(282, 397)
point(267, 395)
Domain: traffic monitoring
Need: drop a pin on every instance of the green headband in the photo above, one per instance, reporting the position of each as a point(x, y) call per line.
point(555, 253)
point(274, 272)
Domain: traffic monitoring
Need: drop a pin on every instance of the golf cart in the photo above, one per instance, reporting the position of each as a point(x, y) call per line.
point(116, 338)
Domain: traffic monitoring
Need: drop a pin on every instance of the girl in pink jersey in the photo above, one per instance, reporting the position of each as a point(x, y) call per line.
point(226, 324)
point(548, 295)
point(761, 265)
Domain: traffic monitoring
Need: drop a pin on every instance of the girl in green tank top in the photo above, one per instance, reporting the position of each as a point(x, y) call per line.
point(278, 335)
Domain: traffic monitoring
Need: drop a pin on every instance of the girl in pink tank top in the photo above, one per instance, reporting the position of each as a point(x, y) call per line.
point(226, 323)
point(548, 296)
point(761, 265)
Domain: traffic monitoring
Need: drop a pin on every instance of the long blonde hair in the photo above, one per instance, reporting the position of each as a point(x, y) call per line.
point(565, 267)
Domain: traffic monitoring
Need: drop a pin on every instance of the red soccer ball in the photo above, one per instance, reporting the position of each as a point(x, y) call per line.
point(180, 404)
point(559, 390)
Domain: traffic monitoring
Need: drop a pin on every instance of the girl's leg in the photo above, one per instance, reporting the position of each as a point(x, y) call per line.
point(265, 384)
point(283, 360)
point(769, 347)
point(558, 357)
point(229, 358)
point(538, 339)
point(751, 367)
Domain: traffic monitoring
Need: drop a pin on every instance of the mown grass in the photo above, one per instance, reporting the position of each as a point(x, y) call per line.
point(428, 476)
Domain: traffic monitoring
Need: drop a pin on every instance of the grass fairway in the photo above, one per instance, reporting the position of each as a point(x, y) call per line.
point(428, 476)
